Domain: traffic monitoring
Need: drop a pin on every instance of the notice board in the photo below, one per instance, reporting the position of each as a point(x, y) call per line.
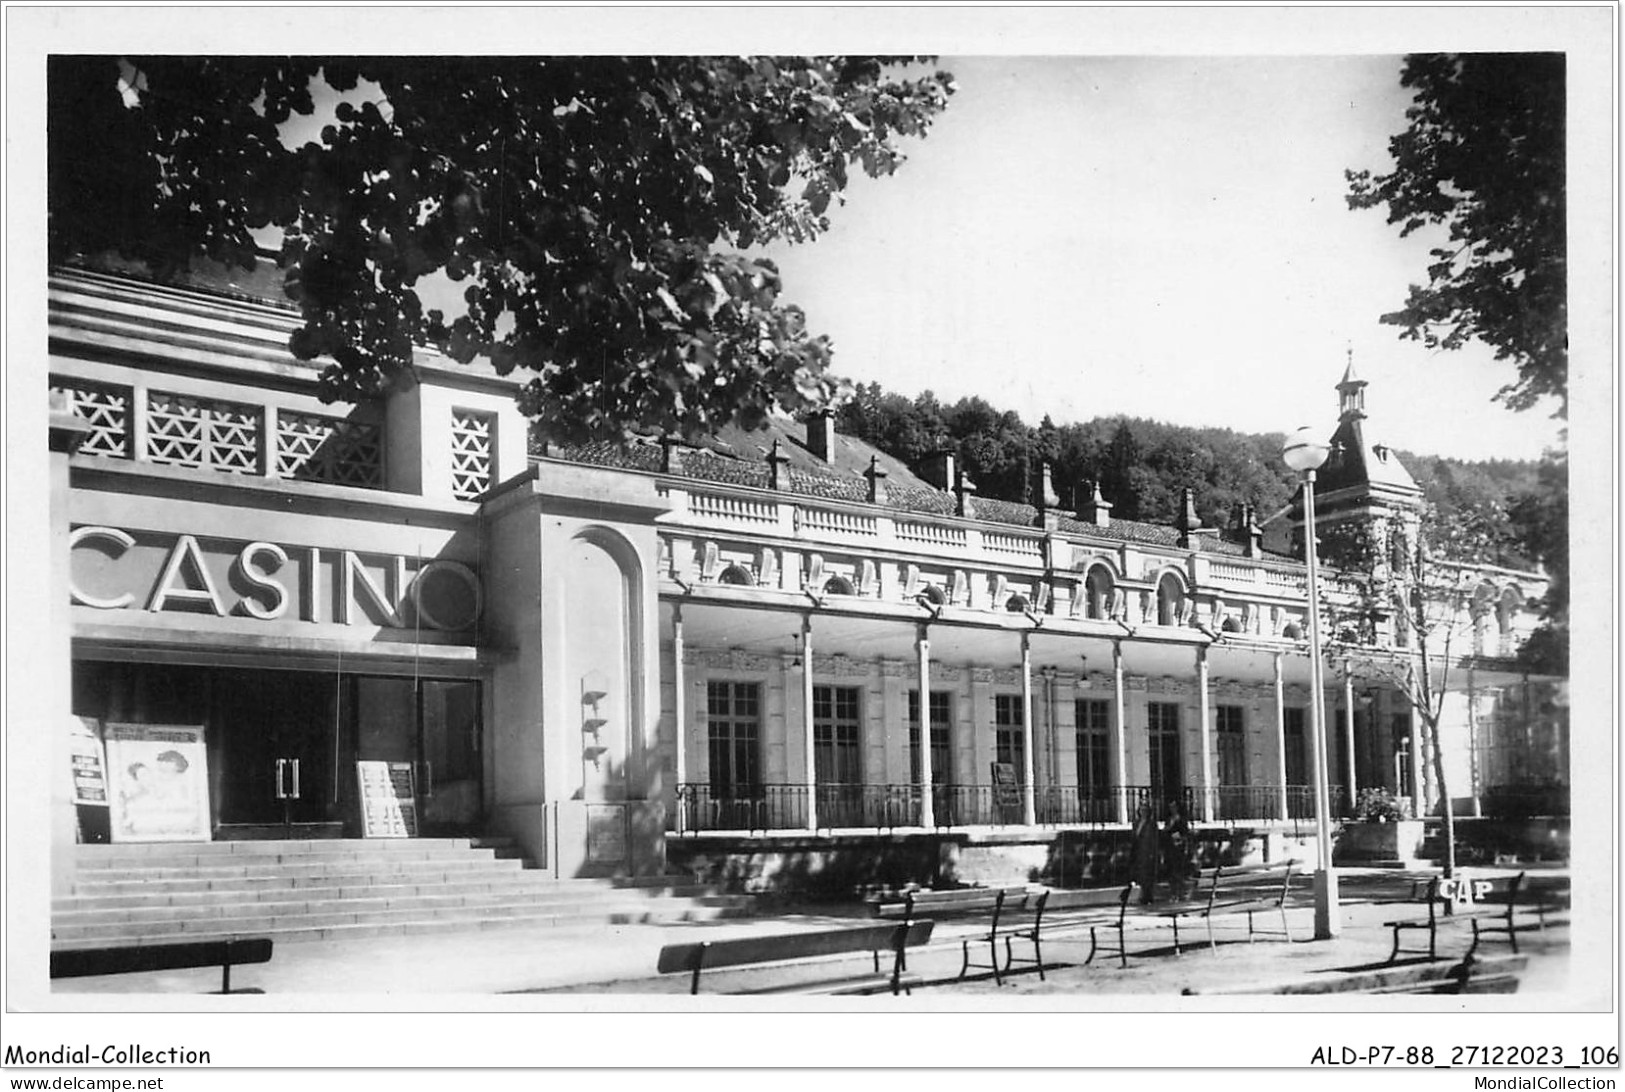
point(389, 806)
point(89, 771)
point(1006, 791)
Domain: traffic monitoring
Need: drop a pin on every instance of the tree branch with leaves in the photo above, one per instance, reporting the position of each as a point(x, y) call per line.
point(588, 217)
point(1483, 157)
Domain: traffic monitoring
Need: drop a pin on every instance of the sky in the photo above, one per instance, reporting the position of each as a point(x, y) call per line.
point(1161, 237)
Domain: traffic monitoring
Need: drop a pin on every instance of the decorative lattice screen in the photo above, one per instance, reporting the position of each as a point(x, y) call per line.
point(203, 433)
point(105, 409)
point(315, 448)
point(470, 453)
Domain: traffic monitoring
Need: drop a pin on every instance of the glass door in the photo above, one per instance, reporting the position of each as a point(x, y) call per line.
point(433, 725)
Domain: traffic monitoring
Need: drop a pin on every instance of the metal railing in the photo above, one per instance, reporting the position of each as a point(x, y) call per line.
point(769, 807)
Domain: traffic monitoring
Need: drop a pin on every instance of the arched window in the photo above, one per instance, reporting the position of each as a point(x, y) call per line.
point(934, 595)
point(1292, 631)
point(839, 585)
point(1170, 597)
point(737, 574)
point(1016, 604)
point(1097, 591)
point(1230, 625)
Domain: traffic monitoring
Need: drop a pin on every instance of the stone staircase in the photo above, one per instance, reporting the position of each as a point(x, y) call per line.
point(328, 889)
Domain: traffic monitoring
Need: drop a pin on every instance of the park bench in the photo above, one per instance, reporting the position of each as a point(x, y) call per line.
point(1233, 889)
point(135, 958)
point(1502, 915)
point(785, 947)
point(1015, 915)
point(1077, 911)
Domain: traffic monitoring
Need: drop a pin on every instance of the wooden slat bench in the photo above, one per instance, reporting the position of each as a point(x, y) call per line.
point(1015, 915)
point(1077, 911)
point(784, 947)
point(136, 958)
point(1502, 916)
point(1233, 889)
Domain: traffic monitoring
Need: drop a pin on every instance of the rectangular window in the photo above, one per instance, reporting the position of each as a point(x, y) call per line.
point(1167, 769)
point(941, 727)
point(733, 729)
point(837, 736)
point(1232, 744)
point(1007, 734)
point(1297, 750)
point(1093, 737)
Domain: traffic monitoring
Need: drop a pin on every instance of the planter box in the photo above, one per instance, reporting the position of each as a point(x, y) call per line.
point(1393, 841)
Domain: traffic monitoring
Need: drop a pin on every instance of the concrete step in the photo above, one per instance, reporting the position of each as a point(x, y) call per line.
point(528, 883)
point(129, 893)
point(330, 925)
point(497, 902)
point(300, 870)
point(213, 903)
point(295, 934)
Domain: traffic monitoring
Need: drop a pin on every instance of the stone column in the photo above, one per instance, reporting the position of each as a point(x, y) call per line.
point(1029, 812)
point(922, 647)
point(1280, 736)
point(1205, 715)
point(1348, 731)
point(1119, 743)
point(679, 718)
point(807, 721)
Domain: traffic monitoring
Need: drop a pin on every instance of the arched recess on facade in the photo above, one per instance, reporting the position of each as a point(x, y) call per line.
point(604, 653)
point(738, 575)
point(1099, 582)
point(1170, 597)
point(839, 585)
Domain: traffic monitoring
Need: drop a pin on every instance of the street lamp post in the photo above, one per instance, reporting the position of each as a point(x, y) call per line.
point(1305, 453)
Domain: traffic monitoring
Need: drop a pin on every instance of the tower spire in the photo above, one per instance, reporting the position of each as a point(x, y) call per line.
point(1351, 391)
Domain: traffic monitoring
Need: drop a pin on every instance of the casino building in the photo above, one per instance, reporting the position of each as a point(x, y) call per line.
point(627, 657)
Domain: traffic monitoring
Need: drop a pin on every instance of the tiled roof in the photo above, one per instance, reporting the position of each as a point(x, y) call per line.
point(739, 459)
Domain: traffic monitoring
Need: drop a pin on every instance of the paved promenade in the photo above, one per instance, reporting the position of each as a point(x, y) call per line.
point(620, 959)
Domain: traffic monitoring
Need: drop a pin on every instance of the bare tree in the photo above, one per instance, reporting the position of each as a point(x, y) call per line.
point(1402, 604)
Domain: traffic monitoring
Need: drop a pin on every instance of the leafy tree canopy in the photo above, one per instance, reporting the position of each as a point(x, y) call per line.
point(591, 209)
point(1483, 157)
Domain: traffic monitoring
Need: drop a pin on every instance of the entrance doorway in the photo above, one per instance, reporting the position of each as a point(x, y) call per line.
point(282, 745)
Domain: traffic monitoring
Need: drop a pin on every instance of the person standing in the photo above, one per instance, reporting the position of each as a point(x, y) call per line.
point(1146, 851)
point(1177, 850)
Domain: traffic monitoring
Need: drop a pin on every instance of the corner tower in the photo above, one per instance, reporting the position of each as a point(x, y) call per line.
point(1363, 479)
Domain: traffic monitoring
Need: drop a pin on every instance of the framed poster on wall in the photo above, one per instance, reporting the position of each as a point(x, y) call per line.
point(157, 782)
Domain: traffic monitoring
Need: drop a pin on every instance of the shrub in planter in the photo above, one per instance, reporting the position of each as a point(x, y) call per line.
point(1378, 805)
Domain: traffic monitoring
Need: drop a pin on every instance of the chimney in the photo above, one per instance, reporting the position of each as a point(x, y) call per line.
point(1189, 524)
point(939, 469)
point(778, 465)
point(1255, 534)
point(964, 495)
point(1046, 502)
point(876, 476)
point(821, 434)
point(1095, 509)
point(670, 455)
